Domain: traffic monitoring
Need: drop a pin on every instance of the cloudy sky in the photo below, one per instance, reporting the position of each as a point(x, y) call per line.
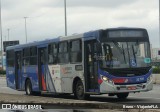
point(46, 17)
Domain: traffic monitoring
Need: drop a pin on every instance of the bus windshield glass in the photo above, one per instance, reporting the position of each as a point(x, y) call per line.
point(125, 54)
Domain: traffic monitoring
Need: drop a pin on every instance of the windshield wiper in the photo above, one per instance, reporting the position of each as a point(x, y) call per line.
point(124, 54)
point(134, 54)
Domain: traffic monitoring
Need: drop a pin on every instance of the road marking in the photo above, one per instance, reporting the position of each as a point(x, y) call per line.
point(143, 97)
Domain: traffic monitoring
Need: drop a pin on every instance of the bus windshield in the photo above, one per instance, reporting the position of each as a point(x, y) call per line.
point(125, 54)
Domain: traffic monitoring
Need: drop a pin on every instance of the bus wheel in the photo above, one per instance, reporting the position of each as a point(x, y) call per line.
point(28, 87)
point(122, 95)
point(79, 91)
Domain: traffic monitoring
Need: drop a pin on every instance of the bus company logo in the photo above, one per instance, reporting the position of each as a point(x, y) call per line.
point(140, 79)
point(66, 70)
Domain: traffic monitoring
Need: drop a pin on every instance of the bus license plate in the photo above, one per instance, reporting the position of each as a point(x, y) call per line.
point(131, 88)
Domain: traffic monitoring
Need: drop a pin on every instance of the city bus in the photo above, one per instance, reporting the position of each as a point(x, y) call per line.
point(113, 61)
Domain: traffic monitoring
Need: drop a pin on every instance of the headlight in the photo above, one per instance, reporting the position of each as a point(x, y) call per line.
point(106, 79)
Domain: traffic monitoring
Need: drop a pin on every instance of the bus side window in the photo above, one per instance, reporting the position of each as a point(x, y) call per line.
point(26, 56)
point(76, 51)
point(63, 55)
point(10, 58)
point(52, 53)
point(55, 49)
point(33, 55)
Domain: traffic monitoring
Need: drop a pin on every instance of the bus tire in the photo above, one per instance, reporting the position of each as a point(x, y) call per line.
point(122, 95)
point(79, 91)
point(28, 87)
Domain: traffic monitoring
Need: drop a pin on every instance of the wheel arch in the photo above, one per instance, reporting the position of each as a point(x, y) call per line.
point(74, 83)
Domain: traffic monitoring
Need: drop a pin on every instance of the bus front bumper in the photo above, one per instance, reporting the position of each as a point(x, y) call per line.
point(106, 88)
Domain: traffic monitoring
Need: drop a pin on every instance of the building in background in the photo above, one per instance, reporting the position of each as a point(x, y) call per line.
point(4, 61)
point(155, 54)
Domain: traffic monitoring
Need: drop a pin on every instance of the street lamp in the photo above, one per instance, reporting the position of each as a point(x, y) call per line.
point(25, 18)
point(65, 17)
point(1, 36)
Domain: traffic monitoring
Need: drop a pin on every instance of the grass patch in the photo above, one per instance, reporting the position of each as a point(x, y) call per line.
point(156, 70)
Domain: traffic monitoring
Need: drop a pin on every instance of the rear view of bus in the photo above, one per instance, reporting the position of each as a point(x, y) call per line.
point(124, 61)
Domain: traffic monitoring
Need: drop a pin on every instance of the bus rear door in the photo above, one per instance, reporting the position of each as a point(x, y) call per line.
point(18, 69)
point(42, 61)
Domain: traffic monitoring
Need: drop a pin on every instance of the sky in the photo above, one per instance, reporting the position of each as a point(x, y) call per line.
point(46, 17)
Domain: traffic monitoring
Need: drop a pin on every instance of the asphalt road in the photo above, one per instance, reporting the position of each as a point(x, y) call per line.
point(143, 97)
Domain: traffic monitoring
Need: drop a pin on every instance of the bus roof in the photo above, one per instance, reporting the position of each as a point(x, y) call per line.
point(86, 36)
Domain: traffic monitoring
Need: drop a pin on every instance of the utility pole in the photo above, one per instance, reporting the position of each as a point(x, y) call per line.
point(25, 18)
point(8, 33)
point(5, 38)
point(1, 35)
point(65, 17)
point(159, 23)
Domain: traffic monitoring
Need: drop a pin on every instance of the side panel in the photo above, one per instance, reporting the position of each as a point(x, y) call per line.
point(63, 76)
point(10, 77)
point(31, 73)
point(56, 77)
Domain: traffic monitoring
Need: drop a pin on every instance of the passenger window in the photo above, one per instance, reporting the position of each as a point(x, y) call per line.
point(26, 56)
point(52, 53)
point(10, 58)
point(63, 55)
point(33, 56)
point(76, 51)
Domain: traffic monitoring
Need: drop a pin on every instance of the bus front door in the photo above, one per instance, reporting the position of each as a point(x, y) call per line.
point(90, 67)
point(42, 61)
point(18, 69)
